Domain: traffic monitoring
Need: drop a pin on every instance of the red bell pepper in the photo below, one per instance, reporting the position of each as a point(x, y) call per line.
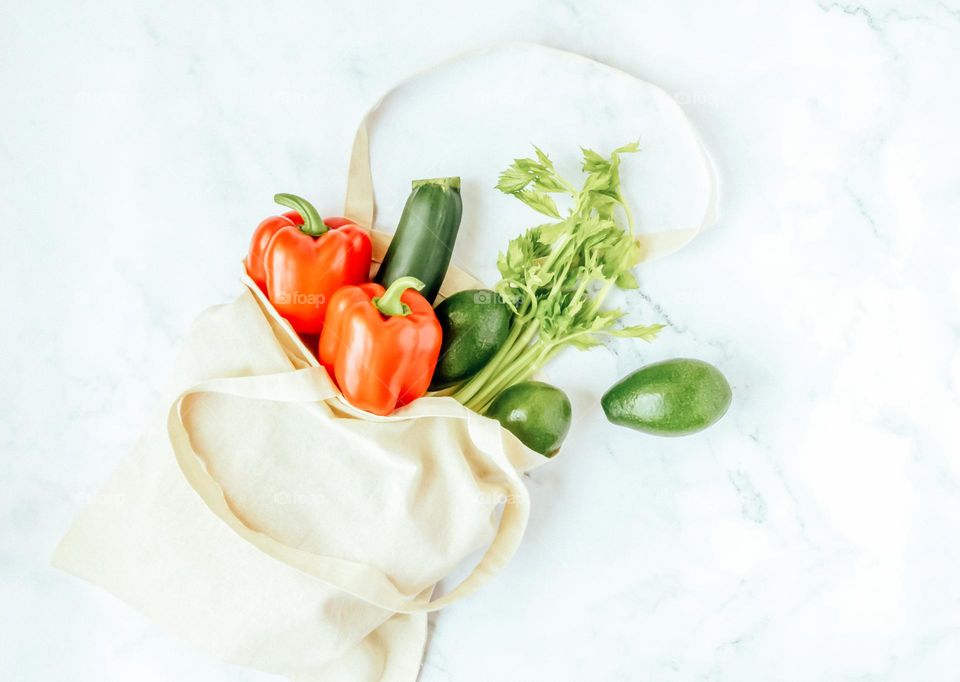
point(258, 244)
point(305, 265)
point(381, 346)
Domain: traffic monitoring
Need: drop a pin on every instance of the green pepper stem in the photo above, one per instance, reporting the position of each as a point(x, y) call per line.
point(390, 303)
point(312, 222)
point(452, 183)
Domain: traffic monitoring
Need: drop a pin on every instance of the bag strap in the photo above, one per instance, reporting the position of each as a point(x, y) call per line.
point(361, 204)
point(312, 385)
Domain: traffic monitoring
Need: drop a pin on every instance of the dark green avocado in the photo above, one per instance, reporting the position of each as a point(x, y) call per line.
point(475, 323)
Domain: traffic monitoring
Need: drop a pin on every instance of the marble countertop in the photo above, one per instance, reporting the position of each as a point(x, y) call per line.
point(810, 535)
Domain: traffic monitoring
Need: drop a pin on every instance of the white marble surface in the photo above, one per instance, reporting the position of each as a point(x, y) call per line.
point(811, 535)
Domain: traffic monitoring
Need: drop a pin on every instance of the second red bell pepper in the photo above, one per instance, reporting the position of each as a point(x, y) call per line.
point(381, 345)
point(305, 265)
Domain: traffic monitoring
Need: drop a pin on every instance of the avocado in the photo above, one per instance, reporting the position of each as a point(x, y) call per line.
point(670, 398)
point(474, 323)
point(536, 413)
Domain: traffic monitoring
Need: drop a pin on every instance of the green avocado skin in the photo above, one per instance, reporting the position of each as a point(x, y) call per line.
point(536, 413)
point(474, 323)
point(670, 398)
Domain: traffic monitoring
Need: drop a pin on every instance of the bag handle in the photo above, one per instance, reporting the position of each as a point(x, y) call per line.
point(313, 385)
point(361, 204)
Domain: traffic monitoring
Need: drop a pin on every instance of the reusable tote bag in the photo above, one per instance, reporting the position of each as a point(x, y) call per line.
point(264, 519)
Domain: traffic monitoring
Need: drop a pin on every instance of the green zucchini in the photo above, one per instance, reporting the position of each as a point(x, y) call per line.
point(423, 243)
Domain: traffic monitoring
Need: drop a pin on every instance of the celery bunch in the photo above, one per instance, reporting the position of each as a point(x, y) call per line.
point(556, 276)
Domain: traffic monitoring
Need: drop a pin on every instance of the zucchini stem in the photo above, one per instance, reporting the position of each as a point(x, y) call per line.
point(451, 182)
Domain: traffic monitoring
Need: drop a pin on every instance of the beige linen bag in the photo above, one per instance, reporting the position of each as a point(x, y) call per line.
point(264, 519)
